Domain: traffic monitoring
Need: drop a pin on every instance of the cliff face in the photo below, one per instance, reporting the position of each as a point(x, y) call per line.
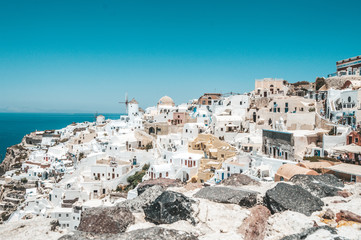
point(15, 156)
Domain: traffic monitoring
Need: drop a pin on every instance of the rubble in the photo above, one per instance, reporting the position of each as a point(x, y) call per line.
point(329, 214)
point(153, 233)
point(348, 216)
point(323, 232)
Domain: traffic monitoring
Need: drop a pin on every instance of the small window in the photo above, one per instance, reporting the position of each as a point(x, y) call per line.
point(67, 215)
point(356, 140)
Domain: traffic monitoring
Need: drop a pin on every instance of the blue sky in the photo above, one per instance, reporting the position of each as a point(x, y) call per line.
point(82, 56)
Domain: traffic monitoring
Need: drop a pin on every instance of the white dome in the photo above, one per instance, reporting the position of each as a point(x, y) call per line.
point(166, 101)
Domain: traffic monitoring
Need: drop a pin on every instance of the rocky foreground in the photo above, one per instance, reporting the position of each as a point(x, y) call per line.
point(307, 207)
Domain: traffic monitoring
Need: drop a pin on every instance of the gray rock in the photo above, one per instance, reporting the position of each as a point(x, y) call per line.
point(291, 197)
point(168, 208)
point(228, 195)
point(163, 182)
point(105, 220)
point(310, 231)
point(239, 179)
point(320, 185)
point(153, 233)
point(148, 196)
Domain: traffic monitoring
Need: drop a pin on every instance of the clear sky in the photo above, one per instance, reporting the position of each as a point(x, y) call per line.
point(82, 56)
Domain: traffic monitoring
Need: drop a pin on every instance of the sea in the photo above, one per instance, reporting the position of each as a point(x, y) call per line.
point(14, 126)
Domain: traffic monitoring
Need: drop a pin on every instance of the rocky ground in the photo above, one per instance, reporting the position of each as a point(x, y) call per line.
point(324, 208)
point(15, 156)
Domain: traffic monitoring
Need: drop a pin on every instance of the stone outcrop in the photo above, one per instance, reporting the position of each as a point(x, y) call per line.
point(313, 231)
point(228, 195)
point(291, 197)
point(239, 179)
point(105, 220)
point(254, 226)
point(168, 208)
point(163, 182)
point(143, 200)
point(15, 156)
point(319, 185)
point(153, 233)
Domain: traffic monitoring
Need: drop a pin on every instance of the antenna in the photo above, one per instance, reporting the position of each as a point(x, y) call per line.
point(126, 102)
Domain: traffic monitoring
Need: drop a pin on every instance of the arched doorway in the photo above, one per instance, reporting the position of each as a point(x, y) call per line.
point(151, 130)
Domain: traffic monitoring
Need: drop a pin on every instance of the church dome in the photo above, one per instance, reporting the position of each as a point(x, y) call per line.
point(166, 101)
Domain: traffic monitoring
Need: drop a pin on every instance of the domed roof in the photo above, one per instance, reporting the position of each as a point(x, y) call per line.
point(166, 101)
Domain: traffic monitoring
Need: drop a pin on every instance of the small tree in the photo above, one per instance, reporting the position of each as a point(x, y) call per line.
point(24, 180)
point(148, 146)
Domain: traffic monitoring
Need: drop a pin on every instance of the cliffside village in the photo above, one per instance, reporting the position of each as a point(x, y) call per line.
point(272, 133)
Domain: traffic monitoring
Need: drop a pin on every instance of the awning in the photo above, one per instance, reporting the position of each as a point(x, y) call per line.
point(350, 169)
point(352, 148)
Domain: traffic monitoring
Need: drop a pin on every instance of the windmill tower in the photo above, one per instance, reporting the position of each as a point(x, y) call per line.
point(126, 103)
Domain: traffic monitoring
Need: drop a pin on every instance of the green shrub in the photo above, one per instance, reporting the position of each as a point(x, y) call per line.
point(24, 180)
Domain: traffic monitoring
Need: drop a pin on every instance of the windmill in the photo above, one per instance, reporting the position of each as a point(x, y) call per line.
point(126, 103)
point(95, 116)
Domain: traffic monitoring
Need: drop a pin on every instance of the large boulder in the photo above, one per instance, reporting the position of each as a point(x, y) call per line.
point(148, 196)
point(168, 208)
point(105, 220)
point(239, 179)
point(163, 182)
point(153, 233)
point(315, 233)
point(254, 226)
point(319, 185)
point(228, 195)
point(291, 197)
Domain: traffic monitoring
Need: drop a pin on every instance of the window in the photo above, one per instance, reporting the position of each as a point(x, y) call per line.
point(166, 174)
point(240, 103)
point(59, 215)
point(67, 215)
point(356, 140)
point(278, 110)
point(349, 99)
